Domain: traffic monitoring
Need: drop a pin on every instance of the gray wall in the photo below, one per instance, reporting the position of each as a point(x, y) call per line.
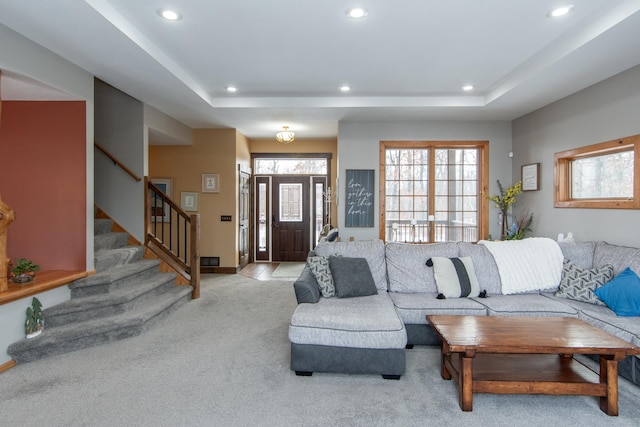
point(119, 128)
point(359, 148)
point(605, 111)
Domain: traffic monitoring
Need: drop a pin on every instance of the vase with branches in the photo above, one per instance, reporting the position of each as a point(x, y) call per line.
point(503, 202)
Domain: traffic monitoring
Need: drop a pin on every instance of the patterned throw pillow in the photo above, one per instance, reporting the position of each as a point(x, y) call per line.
point(319, 266)
point(580, 283)
point(455, 277)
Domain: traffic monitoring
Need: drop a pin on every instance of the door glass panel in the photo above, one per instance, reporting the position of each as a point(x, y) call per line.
point(319, 210)
point(262, 217)
point(290, 202)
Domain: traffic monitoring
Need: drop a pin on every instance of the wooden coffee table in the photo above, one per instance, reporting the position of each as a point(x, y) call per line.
point(528, 355)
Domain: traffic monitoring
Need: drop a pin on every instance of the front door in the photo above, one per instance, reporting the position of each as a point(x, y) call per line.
point(291, 223)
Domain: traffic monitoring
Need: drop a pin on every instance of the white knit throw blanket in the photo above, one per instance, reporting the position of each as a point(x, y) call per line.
point(526, 265)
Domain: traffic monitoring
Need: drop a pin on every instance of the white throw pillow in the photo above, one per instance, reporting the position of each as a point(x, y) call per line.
point(455, 277)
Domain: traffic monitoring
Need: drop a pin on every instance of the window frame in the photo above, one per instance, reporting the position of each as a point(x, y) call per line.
point(562, 174)
point(483, 177)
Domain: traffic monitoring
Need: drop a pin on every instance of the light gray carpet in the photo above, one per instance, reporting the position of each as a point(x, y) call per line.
point(224, 360)
point(288, 270)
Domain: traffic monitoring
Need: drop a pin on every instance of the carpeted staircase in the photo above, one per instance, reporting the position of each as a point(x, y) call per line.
point(125, 296)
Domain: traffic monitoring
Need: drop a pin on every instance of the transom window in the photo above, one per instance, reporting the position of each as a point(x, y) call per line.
point(431, 191)
point(290, 166)
point(602, 175)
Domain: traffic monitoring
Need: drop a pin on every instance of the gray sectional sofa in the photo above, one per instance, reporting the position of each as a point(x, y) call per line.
point(370, 334)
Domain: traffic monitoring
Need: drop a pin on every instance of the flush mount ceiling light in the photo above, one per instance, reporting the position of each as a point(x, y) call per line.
point(345, 88)
point(357, 12)
point(169, 15)
point(285, 136)
point(560, 11)
point(232, 89)
point(467, 88)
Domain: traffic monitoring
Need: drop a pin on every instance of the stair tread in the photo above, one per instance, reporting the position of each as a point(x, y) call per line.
point(117, 296)
point(57, 334)
point(116, 273)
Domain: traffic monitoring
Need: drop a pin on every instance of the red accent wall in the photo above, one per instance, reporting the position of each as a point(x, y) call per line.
point(42, 177)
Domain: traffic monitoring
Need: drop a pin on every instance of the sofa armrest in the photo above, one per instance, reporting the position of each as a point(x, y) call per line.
point(306, 287)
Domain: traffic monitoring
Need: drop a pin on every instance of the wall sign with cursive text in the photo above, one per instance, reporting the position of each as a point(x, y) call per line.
point(359, 208)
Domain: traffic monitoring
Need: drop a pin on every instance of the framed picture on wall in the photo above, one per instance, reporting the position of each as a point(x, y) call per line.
point(359, 198)
point(531, 177)
point(189, 201)
point(159, 209)
point(210, 183)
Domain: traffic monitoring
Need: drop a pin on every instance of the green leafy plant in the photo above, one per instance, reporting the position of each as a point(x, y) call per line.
point(23, 266)
point(23, 270)
point(35, 321)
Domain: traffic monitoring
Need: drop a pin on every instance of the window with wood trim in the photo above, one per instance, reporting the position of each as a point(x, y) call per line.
point(604, 175)
point(430, 191)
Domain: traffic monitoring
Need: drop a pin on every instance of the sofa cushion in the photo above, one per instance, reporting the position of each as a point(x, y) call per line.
point(364, 322)
point(484, 266)
point(622, 294)
point(580, 283)
point(306, 287)
point(371, 250)
point(413, 308)
point(455, 277)
point(625, 328)
point(351, 277)
point(532, 304)
point(406, 265)
point(319, 266)
point(581, 253)
point(620, 257)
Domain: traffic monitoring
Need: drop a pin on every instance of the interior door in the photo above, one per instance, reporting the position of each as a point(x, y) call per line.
point(290, 220)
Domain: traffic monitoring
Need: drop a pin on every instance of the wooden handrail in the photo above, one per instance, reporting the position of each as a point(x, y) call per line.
point(117, 162)
point(187, 264)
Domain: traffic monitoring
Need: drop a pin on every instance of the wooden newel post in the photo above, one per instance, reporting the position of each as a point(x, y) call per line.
point(194, 262)
point(7, 216)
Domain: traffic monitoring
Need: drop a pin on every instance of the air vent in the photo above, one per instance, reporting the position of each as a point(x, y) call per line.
point(210, 261)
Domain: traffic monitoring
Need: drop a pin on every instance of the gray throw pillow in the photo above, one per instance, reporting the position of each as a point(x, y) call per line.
point(319, 266)
point(580, 283)
point(352, 277)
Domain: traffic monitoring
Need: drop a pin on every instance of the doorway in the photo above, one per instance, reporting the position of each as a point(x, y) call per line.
point(290, 204)
point(290, 212)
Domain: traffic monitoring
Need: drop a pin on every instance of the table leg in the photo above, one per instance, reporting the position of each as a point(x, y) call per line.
point(444, 354)
point(465, 381)
point(609, 376)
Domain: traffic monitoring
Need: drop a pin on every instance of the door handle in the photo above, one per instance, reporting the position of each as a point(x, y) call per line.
point(273, 221)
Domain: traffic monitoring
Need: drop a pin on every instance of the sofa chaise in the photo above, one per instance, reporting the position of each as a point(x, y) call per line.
point(369, 334)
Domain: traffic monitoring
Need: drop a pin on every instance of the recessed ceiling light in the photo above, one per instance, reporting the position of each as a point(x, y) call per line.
point(232, 89)
point(560, 11)
point(345, 88)
point(169, 15)
point(467, 88)
point(357, 12)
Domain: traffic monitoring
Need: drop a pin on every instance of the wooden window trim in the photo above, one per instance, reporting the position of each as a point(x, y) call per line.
point(562, 174)
point(483, 177)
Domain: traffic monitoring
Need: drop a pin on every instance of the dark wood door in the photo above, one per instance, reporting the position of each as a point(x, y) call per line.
point(290, 221)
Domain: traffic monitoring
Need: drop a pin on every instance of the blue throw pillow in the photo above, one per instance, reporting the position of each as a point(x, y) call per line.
point(622, 294)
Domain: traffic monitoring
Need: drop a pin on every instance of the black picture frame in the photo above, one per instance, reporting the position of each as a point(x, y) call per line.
point(359, 197)
point(530, 175)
